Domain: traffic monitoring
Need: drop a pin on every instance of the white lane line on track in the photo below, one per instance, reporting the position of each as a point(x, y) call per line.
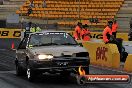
point(7, 72)
point(2, 49)
point(114, 70)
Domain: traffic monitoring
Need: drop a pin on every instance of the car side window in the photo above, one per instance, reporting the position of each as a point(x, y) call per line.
point(34, 40)
point(23, 43)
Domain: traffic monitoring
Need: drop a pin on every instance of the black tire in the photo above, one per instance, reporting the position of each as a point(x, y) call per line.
point(81, 80)
point(19, 70)
point(30, 74)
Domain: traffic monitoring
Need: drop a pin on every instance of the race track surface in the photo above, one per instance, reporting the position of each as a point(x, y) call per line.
point(8, 78)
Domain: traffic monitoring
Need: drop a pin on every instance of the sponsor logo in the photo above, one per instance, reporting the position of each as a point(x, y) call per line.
point(4, 33)
point(100, 53)
point(17, 33)
point(82, 80)
point(97, 36)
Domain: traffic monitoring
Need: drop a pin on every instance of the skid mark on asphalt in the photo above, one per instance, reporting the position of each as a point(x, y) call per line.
point(12, 72)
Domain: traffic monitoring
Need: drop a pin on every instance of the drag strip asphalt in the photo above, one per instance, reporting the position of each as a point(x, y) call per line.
point(8, 78)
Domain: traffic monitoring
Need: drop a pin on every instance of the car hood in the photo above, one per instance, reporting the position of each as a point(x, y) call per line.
point(57, 50)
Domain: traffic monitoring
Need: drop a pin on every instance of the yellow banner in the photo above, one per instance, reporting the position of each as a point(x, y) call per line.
point(99, 35)
point(10, 33)
point(128, 63)
point(102, 54)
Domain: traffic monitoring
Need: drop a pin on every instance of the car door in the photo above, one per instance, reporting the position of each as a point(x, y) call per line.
point(21, 52)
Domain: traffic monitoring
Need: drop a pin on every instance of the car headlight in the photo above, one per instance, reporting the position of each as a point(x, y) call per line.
point(41, 57)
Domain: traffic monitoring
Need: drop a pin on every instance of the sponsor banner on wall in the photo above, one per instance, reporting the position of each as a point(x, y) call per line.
point(99, 35)
point(10, 33)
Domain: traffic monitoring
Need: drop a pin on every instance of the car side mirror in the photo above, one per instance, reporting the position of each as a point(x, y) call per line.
point(80, 44)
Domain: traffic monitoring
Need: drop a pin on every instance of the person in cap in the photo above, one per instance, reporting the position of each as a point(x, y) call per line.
point(107, 32)
point(109, 38)
point(114, 28)
point(77, 32)
point(85, 33)
point(27, 29)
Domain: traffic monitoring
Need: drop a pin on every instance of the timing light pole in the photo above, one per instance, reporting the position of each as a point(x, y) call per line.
point(79, 9)
point(46, 14)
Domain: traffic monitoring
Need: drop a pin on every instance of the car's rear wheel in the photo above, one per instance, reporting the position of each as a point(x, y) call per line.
point(30, 74)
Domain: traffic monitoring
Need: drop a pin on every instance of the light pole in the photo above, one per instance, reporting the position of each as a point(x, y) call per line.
point(21, 18)
point(78, 9)
point(44, 6)
point(47, 22)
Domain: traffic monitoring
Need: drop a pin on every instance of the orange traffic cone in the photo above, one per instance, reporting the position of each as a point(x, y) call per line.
point(12, 45)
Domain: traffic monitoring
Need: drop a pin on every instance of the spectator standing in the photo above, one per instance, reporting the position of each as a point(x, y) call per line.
point(27, 29)
point(77, 32)
point(44, 4)
point(114, 28)
point(85, 33)
point(107, 32)
point(109, 38)
point(31, 5)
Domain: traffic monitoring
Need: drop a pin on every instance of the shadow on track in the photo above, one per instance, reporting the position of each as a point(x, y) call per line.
point(52, 79)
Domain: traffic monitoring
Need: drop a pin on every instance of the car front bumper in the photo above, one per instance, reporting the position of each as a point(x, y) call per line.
point(59, 64)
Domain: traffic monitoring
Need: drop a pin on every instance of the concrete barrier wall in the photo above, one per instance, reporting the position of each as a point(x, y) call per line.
point(124, 36)
point(101, 54)
point(128, 63)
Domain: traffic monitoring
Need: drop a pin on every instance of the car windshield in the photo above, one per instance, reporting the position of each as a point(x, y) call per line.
point(51, 38)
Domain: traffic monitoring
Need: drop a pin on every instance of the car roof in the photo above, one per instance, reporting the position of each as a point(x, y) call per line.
point(45, 31)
